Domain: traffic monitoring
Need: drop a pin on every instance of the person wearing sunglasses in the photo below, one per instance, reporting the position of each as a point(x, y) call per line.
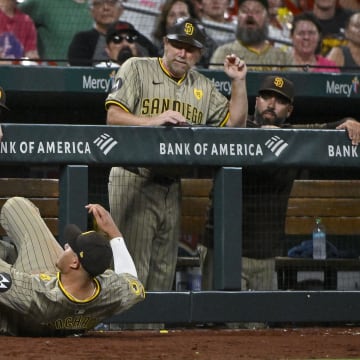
point(123, 41)
point(87, 48)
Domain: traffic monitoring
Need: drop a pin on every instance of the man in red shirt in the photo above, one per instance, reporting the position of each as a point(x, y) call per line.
point(18, 37)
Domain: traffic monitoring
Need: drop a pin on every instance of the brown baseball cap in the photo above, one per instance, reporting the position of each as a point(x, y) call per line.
point(92, 248)
point(279, 85)
point(3, 99)
point(189, 31)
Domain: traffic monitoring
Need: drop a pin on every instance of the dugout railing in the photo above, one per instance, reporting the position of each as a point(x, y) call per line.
point(73, 148)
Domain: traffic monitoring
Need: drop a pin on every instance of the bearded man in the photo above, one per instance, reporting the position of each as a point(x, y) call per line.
point(251, 42)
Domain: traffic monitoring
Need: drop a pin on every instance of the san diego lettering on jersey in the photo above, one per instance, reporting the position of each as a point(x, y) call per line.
point(156, 106)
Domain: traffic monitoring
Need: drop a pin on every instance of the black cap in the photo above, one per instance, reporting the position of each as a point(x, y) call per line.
point(3, 99)
point(279, 85)
point(262, 2)
point(189, 31)
point(120, 27)
point(92, 248)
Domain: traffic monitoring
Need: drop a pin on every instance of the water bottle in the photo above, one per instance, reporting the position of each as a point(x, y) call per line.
point(319, 240)
point(195, 278)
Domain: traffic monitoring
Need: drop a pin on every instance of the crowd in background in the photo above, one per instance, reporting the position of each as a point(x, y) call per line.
point(303, 35)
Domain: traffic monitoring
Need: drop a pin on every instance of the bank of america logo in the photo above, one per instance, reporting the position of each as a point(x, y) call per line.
point(105, 143)
point(276, 145)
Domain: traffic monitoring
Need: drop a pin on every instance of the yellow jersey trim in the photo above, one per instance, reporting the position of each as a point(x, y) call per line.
point(73, 298)
point(224, 122)
point(117, 103)
point(168, 74)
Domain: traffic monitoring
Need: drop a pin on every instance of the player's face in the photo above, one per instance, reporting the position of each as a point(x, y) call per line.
point(179, 57)
point(66, 259)
point(272, 109)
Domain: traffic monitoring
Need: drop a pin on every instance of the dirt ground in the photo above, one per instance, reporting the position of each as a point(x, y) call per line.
point(198, 344)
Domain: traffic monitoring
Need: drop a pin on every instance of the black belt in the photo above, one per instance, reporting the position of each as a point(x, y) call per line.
point(156, 178)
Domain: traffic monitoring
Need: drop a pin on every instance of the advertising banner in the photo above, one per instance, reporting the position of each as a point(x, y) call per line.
point(194, 146)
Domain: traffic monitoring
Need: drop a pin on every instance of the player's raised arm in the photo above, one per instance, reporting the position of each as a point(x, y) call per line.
point(123, 262)
point(236, 69)
point(104, 220)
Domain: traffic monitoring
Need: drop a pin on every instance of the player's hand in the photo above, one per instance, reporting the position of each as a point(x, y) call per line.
point(104, 220)
point(169, 117)
point(353, 129)
point(235, 68)
point(1, 133)
point(270, 127)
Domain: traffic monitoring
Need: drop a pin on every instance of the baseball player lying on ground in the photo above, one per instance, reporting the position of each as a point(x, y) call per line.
point(48, 290)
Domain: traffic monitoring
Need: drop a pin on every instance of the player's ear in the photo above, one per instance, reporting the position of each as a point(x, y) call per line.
point(290, 110)
point(75, 263)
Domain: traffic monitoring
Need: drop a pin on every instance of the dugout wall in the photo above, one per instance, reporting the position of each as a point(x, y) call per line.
point(226, 150)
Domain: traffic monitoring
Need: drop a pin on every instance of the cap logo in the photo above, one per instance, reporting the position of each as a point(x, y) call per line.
point(81, 254)
point(279, 82)
point(189, 28)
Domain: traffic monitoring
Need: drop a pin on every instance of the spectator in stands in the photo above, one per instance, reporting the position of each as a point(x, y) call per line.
point(251, 42)
point(332, 19)
point(123, 41)
point(306, 37)
point(348, 56)
point(88, 47)
point(17, 33)
point(198, 8)
point(3, 108)
point(170, 12)
point(173, 10)
point(218, 21)
point(216, 11)
point(57, 21)
point(280, 18)
point(266, 190)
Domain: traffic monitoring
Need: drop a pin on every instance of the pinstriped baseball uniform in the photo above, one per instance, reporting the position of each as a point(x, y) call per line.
point(145, 204)
point(32, 298)
point(144, 87)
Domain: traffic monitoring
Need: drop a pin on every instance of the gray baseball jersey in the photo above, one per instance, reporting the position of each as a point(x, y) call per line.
point(145, 206)
point(144, 87)
point(31, 289)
